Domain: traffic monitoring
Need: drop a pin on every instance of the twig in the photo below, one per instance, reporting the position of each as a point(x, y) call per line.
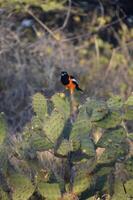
point(67, 16)
point(101, 7)
point(42, 24)
point(110, 64)
point(97, 51)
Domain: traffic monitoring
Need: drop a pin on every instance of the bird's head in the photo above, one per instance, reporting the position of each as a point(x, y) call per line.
point(63, 73)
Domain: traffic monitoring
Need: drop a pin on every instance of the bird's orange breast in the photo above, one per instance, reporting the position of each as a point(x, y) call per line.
point(71, 85)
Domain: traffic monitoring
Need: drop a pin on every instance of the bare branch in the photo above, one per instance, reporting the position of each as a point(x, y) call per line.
point(42, 24)
point(67, 16)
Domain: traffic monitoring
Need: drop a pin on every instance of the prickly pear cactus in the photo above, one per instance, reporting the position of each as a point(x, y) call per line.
point(115, 103)
point(3, 195)
point(3, 128)
point(50, 191)
point(105, 115)
point(54, 125)
point(119, 192)
point(3, 159)
point(62, 104)
point(129, 108)
point(62, 155)
point(39, 104)
point(82, 180)
point(81, 126)
point(65, 147)
point(22, 186)
point(112, 137)
point(40, 143)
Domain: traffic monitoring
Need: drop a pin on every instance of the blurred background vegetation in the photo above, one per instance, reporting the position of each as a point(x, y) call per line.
point(91, 39)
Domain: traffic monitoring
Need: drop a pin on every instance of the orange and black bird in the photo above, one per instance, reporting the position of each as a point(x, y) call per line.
point(69, 82)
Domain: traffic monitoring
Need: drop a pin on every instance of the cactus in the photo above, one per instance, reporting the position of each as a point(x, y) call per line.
point(113, 119)
point(128, 165)
point(22, 186)
point(96, 110)
point(3, 159)
point(119, 192)
point(3, 128)
point(112, 153)
point(54, 125)
point(112, 137)
point(129, 188)
point(50, 191)
point(65, 148)
point(86, 150)
point(61, 104)
point(3, 195)
point(39, 104)
point(81, 126)
point(115, 103)
point(129, 108)
point(99, 111)
point(40, 143)
point(61, 154)
point(82, 180)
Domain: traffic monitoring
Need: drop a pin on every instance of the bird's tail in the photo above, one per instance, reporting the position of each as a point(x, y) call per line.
point(78, 88)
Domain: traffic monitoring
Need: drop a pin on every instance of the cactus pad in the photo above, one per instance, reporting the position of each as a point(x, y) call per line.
point(82, 125)
point(129, 187)
point(113, 152)
point(87, 147)
point(39, 104)
point(112, 137)
point(129, 166)
point(50, 191)
point(115, 103)
point(3, 159)
point(81, 181)
point(65, 147)
point(99, 112)
point(119, 192)
point(62, 104)
point(40, 143)
point(113, 119)
point(3, 195)
point(54, 125)
point(129, 108)
point(22, 187)
point(3, 128)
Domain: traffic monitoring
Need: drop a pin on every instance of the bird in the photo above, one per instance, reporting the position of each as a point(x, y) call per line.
point(69, 82)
